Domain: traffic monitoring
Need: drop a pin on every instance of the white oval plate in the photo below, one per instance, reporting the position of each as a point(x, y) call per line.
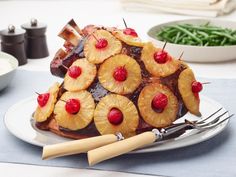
point(18, 120)
point(197, 53)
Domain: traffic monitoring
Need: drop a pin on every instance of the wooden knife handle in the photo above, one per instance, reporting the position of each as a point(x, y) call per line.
point(76, 146)
point(121, 147)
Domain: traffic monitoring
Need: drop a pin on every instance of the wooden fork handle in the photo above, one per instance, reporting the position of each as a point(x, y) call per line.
point(76, 146)
point(121, 147)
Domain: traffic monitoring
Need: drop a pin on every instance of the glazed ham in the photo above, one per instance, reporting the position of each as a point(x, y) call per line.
point(134, 87)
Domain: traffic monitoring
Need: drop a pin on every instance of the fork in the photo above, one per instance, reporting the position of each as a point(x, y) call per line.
point(201, 125)
point(147, 138)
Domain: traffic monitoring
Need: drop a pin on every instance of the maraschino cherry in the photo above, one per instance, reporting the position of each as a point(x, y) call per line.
point(159, 102)
point(129, 31)
point(120, 74)
point(101, 43)
point(115, 116)
point(72, 106)
point(196, 87)
point(43, 99)
point(161, 57)
point(74, 71)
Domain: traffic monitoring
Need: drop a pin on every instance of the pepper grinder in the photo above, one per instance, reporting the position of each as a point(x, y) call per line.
point(12, 42)
point(35, 39)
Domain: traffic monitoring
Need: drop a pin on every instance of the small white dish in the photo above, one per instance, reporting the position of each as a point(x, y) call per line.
point(8, 65)
point(197, 53)
point(25, 130)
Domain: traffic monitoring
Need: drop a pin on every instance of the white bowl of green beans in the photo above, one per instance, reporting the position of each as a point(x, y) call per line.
point(201, 40)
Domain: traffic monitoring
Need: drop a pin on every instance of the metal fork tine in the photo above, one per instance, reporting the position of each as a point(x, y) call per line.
point(213, 125)
point(195, 125)
point(213, 120)
point(202, 120)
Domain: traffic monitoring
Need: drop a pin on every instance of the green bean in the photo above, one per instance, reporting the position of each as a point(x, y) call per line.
point(200, 35)
point(202, 28)
point(225, 35)
point(188, 33)
point(223, 41)
point(203, 34)
point(177, 37)
point(207, 24)
point(167, 38)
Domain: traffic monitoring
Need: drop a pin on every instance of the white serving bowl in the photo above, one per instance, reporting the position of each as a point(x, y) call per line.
point(197, 53)
point(7, 76)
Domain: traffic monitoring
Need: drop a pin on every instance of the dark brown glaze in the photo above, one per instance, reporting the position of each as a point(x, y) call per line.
point(97, 90)
point(88, 131)
point(56, 67)
point(51, 125)
point(135, 52)
point(61, 91)
point(132, 51)
point(143, 126)
point(44, 125)
point(61, 61)
point(134, 96)
point(171, 82)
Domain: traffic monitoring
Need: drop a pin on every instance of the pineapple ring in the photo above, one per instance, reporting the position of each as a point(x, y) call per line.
point(42, 113)
point(130, 115)
point(191, 101)
point(130, 40)
point(183, 64)
point(97, 56)
point(106, 70)
point(167, 116)
point(156, 69)
point(79, 120)
point(85, 79)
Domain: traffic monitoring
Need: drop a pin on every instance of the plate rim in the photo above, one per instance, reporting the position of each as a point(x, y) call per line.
point(142, 150)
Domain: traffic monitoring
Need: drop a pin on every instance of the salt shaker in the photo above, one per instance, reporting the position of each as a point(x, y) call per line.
point(35, 39)
point(12, 42)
